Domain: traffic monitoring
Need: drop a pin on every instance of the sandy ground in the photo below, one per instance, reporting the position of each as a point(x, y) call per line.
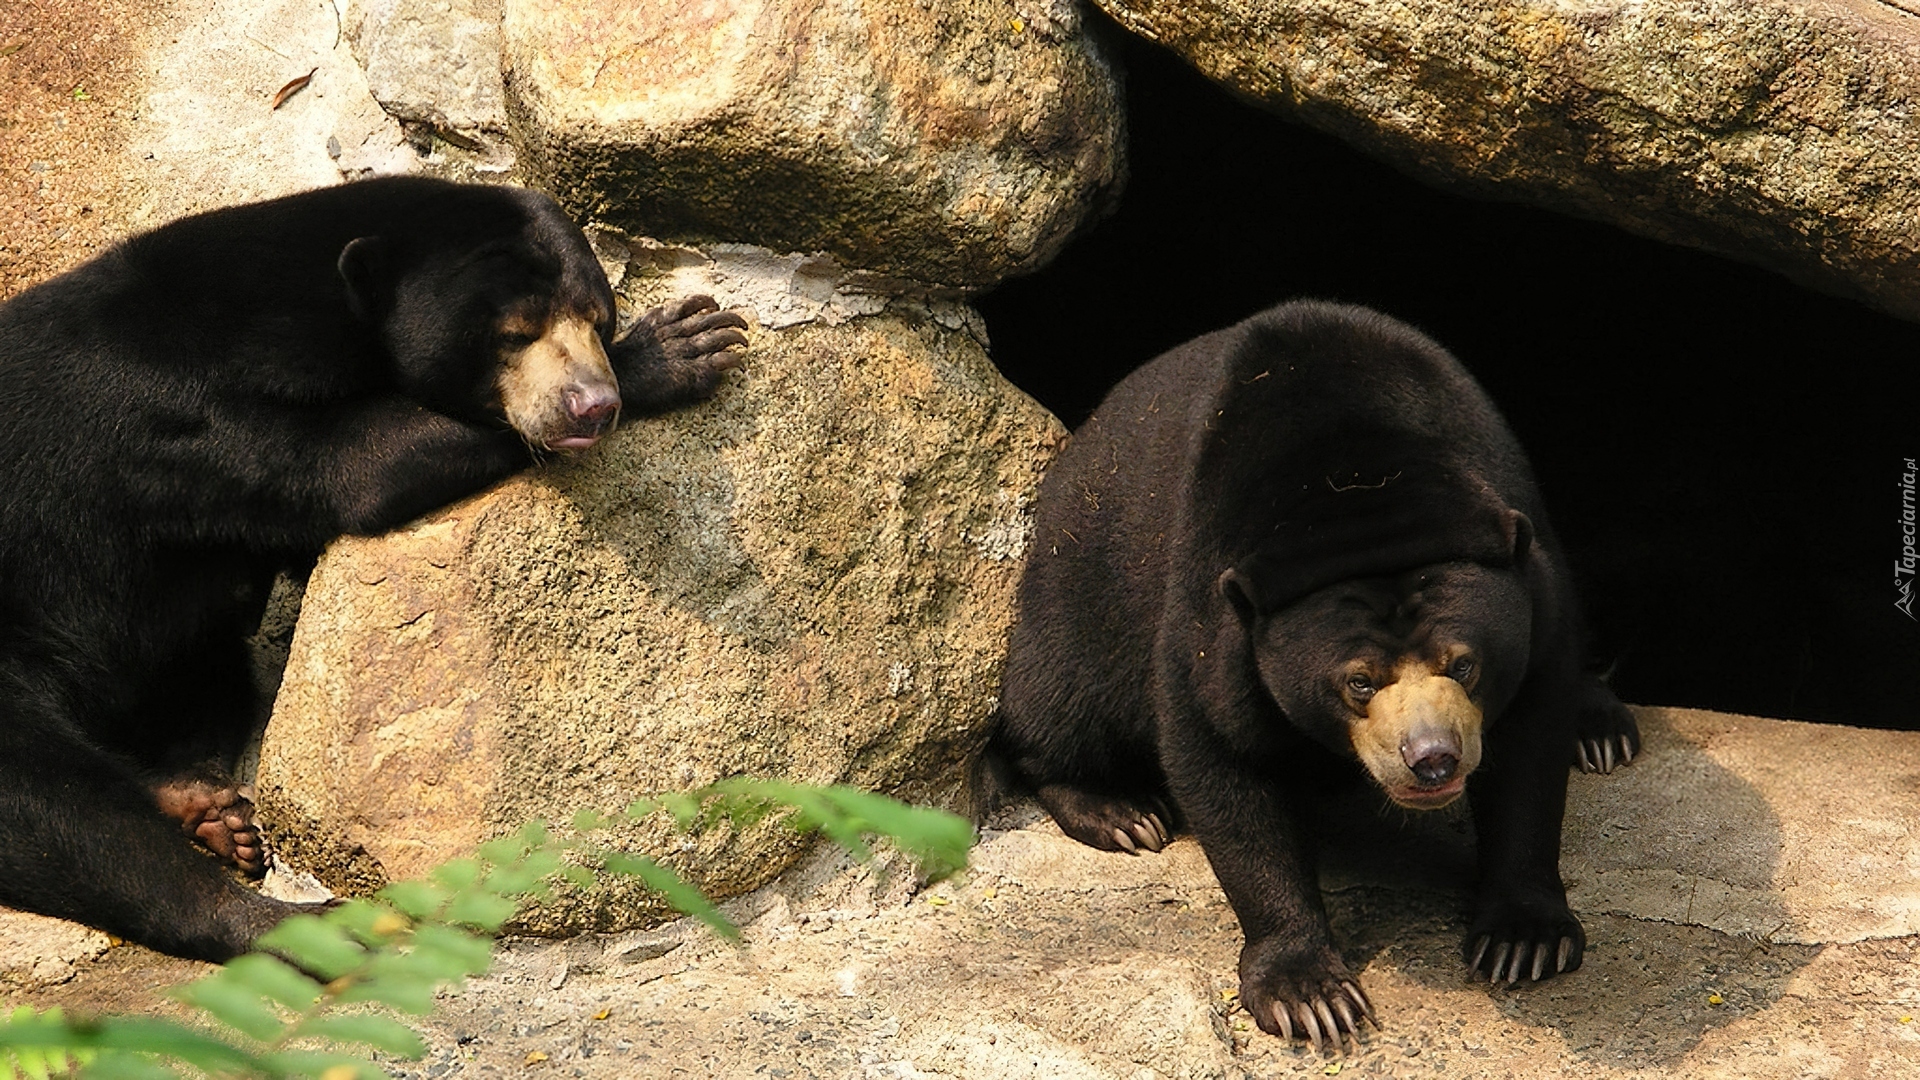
point(1053, 961)
point(71, 81)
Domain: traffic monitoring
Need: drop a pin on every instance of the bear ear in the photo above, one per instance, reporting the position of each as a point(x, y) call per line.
point(363, 268)
point(1519, 535)
point(1243, 587)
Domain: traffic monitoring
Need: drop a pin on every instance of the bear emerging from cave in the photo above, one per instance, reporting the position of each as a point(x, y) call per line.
point(1306, 539)
point(208, 404)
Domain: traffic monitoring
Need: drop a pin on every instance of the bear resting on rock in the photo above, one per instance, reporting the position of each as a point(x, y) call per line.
point(1306, 538)
point(210, 403)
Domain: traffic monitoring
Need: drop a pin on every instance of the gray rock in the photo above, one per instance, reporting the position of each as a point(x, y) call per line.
point(434, 63)
point(1776, 131)
point(950, 141)
point(810, 577)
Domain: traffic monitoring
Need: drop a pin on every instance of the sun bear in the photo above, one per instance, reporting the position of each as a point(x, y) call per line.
point(208, 404)
point(1306, 539)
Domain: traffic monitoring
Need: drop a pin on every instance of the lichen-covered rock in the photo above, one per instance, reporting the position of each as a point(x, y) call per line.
point(810, 577)
point(1782, 132)
point(948, 141)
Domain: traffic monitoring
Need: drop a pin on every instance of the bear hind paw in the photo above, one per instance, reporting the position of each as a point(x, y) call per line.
point(217, 815)
point(1605, 731)
point(1108, 822)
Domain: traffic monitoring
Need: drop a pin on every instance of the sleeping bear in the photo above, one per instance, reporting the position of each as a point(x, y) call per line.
point(1306, 539)
point(208, 404)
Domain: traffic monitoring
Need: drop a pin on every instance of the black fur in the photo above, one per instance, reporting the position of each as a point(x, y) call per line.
point(1241, 518)
point(204, 406)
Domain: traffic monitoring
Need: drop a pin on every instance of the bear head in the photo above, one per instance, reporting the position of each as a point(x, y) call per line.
point(1392, 621)
point(1402, 673)
point(494, 310)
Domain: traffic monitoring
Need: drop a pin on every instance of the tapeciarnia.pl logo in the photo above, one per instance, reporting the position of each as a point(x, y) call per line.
point(1903, 567)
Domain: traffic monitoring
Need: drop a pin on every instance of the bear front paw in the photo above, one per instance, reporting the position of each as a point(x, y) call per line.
point(696, 333)
point(677, 354)
point(1512, 938)
point(1303, 992)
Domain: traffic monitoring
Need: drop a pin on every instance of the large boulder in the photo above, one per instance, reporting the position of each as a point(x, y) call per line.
point(1778, 131)
point(811, 577)
point(949, 141)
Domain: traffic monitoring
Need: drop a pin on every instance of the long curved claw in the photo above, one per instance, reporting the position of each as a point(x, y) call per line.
point(1566, 951)
point(1144, 832)
point(1328, 1024)
point(1312, 1025)
point(1479, 952)
point(1540, 960)
point(1349, 1022)
point(1627, 751)
point(1160, 827)
point(1126, 842)
point(714, 343)
point(1606, 747)
point(1360, 998)
point(682, 309)
point(1500, 960)
point(1283, 1015)
point(1520, 953)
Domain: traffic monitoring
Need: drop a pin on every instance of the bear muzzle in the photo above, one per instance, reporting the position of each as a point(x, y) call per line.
point(1420, 739)
point(559, 392)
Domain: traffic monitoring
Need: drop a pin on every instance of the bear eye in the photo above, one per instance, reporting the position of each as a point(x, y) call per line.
point(1360, 686)
point(516, 340)
point(1461, 670)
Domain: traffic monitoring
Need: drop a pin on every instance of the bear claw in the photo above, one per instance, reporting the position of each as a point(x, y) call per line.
point(697, 327)
point(1511, 959)
point(1597, 755)
point(1323, 1019)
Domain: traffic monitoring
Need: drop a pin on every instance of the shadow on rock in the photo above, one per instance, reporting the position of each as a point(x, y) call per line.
point(1675, 866)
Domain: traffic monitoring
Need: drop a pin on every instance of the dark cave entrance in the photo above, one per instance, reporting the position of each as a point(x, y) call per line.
point(1721, 449)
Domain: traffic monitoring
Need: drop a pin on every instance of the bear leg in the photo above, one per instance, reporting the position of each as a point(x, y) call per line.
point(1293, 981)
point(1522, 925)
point(81, 839)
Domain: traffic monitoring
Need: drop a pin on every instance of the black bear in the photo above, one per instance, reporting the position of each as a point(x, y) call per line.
point(1305, 538)
point(209, 403)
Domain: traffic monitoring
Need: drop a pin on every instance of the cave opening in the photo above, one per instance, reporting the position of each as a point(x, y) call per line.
point(1721, 449)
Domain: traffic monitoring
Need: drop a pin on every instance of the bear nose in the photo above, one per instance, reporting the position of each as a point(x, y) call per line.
point(1432, 756)
point(591, 408)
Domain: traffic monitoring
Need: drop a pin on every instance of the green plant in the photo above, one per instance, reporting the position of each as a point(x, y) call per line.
point(321, 984)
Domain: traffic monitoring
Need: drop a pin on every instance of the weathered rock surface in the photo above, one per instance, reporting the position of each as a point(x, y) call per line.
point(434, 63)
point(811, 577)
point(949, 141)
point(206, 133)
point(38, 952)
point(1052, 960)
point(1732, 829)
point(1777, 131)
